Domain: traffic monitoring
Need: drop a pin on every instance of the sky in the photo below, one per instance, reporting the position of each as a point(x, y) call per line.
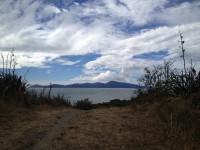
point(77, 41)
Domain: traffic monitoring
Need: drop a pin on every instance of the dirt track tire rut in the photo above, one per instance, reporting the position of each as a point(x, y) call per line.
point(55, 131)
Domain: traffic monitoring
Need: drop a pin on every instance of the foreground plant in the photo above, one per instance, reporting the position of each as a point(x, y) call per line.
point(15, 88)
point(10, 83)
point(168, 81)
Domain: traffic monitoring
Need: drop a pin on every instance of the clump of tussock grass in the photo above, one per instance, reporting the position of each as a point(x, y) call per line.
point(10, 83)
point(46, 98)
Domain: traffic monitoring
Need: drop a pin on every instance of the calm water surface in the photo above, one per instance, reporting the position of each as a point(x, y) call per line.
point(96, 95)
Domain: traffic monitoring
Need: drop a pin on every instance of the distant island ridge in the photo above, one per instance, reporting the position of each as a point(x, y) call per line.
point(111, 84)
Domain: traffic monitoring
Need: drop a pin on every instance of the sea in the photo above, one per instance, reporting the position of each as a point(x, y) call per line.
point(96, 95)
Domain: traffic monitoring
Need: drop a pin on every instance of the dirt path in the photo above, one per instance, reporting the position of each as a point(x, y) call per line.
point(109, 128)
point(55, 131)
point(123, 128)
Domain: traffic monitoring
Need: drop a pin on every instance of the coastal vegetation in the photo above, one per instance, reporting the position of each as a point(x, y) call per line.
point(164, 115)
point(176, 94)
point(14, 88)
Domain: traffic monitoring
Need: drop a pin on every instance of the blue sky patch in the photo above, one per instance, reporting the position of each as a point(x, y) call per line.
point(172, 3)
point(153, 55)
point(82, 58)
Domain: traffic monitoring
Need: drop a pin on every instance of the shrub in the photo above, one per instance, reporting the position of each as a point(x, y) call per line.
point(177, 96)
point(61, 100)
point(166, 81)
point(119, 103)
point(185, 84)
point(84, 104)
point(10, 83)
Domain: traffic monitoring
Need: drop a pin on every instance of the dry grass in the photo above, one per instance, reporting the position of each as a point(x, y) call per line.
point(181, 124)
point(20, 128)
point(114, 128)
point(111, 128)
point(105, 128)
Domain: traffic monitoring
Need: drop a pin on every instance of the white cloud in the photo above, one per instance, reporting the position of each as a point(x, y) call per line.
point(49, 9)
point(155, 40)
point(180, 14)
point(34, 59)
point(66, 62)
point(102, 77)
point(139, 12)
point(43, 33)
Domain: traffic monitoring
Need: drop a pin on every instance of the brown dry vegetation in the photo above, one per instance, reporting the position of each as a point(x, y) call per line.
point(139, 126)
point(164, 115)
point(22, 128)
point(112, 128)
point(105, 128)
